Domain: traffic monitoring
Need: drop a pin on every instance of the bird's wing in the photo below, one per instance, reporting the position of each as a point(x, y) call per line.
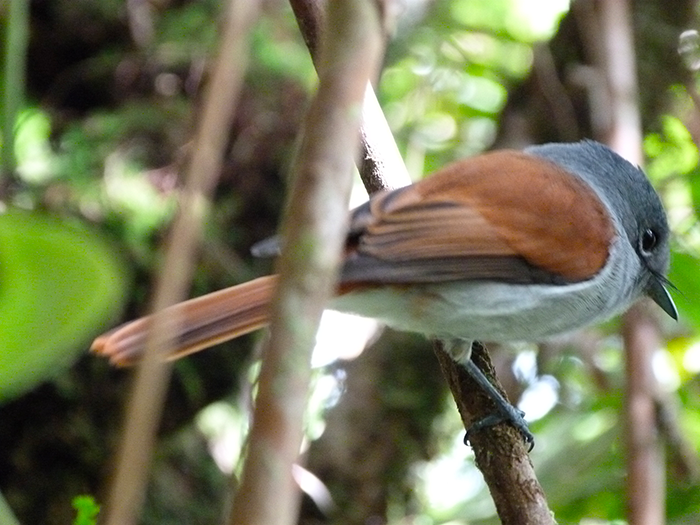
point(504, 216)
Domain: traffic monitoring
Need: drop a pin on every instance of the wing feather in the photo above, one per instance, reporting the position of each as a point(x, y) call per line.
point(536, 224)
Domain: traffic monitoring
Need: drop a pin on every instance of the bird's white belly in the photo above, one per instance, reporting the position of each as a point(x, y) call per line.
point(491, 311)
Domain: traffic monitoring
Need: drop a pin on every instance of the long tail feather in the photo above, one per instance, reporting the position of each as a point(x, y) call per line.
point(205, 321)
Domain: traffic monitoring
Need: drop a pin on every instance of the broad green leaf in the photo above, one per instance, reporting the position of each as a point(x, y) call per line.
point(58, 282)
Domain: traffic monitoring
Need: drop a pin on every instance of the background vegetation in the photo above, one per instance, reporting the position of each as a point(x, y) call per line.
point(97, 123)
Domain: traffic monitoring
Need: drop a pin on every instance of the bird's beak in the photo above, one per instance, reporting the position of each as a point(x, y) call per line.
point(660, 296)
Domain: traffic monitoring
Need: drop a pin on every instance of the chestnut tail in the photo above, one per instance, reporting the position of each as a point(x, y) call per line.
point(204, 322)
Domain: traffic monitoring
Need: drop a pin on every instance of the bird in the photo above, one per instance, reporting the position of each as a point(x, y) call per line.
point(509, 245)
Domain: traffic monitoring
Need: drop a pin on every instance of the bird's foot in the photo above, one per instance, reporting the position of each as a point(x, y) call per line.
point(507, 414)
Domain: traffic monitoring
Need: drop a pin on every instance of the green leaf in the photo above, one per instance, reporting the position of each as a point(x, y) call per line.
point(58, 282)
point(87, 510)
point(684, 275)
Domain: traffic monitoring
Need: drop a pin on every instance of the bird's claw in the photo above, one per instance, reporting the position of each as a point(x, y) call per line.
point(508, 414)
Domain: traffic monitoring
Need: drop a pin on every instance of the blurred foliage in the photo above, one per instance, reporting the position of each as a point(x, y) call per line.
point(59, 282)
point(98, 143)
point(449, 79)
point(87, 510)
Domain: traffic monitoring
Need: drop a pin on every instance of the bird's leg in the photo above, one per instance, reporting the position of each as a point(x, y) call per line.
point(460, 351)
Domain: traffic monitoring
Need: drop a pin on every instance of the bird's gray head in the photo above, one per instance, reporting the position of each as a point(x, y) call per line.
point(629, 194)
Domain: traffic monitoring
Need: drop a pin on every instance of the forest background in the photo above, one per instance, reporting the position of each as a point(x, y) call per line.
point(99, 113)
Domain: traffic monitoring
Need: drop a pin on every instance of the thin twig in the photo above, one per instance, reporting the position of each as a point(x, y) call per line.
point(312, 232)
point(145, 405)
point(683, 460)
point(381, 166)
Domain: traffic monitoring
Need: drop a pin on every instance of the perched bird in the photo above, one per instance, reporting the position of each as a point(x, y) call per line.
point(504, 246)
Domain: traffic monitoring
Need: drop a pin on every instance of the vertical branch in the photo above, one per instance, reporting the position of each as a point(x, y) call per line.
point(312, 232)
point(625, 132)
point(17, 36)
point(645, 460)
point(143, 411)
point(645, 457)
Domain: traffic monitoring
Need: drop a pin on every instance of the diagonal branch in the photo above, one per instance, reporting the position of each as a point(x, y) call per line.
point(145, 404)
point(499, 451)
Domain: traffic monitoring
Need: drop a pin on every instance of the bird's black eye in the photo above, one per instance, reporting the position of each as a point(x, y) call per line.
point(648, 240)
